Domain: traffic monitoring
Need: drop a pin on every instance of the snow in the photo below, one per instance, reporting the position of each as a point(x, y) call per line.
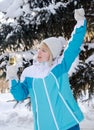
point(21, 118)
point(88, 109)
point(91, 58)
point(19, 7)
point(14, 118)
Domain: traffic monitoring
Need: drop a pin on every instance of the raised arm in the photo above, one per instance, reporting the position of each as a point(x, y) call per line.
point(77, 37)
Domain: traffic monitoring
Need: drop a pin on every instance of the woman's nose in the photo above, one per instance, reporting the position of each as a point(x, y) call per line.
point(39, 51)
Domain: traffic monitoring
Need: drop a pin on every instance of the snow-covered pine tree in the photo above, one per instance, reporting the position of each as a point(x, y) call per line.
point(38, 19)
point(83, 78)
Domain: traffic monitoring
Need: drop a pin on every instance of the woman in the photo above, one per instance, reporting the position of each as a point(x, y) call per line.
point(47, 81)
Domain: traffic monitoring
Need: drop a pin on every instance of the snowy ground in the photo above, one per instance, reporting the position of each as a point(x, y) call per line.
point(21, 118)
point(88, 110)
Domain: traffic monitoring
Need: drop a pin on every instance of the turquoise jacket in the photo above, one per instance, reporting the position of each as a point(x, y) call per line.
point(54, 107)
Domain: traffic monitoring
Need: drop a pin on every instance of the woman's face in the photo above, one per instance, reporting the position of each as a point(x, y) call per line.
point(43, 53)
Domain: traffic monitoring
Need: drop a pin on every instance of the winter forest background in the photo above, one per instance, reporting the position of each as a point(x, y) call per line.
point(25, 23)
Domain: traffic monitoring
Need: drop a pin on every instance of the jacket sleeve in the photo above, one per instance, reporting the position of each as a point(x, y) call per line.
point(73, 48)
point(19, 90)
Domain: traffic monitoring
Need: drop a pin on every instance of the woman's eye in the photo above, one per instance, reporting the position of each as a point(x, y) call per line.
point(43, 50)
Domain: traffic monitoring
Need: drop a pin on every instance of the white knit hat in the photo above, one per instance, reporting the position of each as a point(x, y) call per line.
point(55, 45)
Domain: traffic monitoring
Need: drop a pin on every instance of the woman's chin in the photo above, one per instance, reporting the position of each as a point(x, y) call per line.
point(39, 60)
